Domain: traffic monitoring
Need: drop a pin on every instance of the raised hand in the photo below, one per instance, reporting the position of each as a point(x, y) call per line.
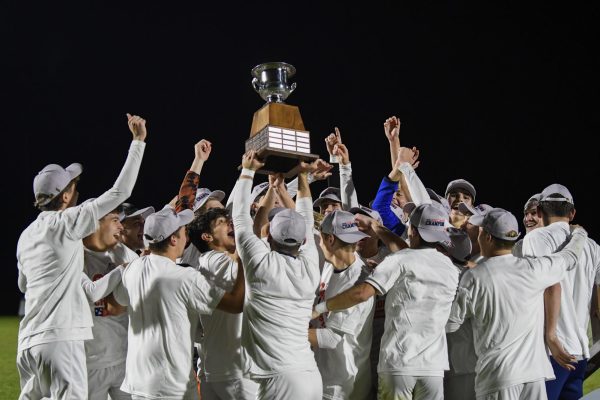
point(410, 156)
point(391, 128)
point(251, 161)
point(137, 126)
point(202, 149)
point(316, 166)
point(341, 151)
point(332, 140)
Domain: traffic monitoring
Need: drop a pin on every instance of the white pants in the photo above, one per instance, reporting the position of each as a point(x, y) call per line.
point(459, 387)
point(105, 381)
point(305, 385)
point(56, 370)
point(525, 391)
point(232, 389)
point(404, 387)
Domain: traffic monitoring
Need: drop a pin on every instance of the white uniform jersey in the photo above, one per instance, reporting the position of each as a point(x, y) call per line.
point(280, 292)
point(50, 262)
point(164, 301)
point(503, 297)
point(220, 352)
point(109, 346)
point(420, 285)
point(577, 284)
point(345, 369)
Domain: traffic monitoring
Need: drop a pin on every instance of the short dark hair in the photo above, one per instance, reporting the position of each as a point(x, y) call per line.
point(556, 208)
point(56, 201)
point(502, 244)
point(163, 245)
point(203, 223)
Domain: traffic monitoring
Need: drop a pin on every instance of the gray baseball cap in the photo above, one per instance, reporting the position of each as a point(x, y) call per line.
point(431, 222)
point(532, 202)
point(459, 246)
point(480, 209)
point(273, 211)
point(499, 223)
point(52, 180)
point(369, 212)
point(439, 199)
point(461, 184)
point(329, 194)
point(288, 228)
point(164, 223)
point(258, 190)
point(205, 194)
point(341, 224)
point(128, 210)
point(559, 189)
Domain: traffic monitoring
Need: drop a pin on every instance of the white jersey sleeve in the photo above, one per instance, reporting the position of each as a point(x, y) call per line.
point(462, 306)
point(250, 248)
point(386, 274)
point(348, 191)
point(417, 190)
point(203, 297)
point(99, 289)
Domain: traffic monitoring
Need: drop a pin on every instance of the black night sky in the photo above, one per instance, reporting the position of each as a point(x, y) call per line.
point(505, 95)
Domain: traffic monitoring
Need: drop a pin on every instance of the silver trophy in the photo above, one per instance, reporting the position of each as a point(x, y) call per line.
point(277, 133)
point(272, 81)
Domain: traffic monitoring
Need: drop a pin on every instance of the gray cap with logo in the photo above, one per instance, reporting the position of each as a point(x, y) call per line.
point(499, 223)
point(341, 224)
point(288, 228)
point(431, 221)
point(164, 223)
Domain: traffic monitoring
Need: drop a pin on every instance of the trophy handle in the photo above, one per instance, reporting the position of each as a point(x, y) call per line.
point(255, 84)
point(292, 88)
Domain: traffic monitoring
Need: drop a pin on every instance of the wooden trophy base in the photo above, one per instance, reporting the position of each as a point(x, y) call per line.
point(278, 136)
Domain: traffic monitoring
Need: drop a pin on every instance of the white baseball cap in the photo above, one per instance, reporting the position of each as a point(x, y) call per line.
point(288, 228)
point(431, 222)
point(369, 212)
point(205, 194)
point(329, 194)
point(499, 223)
point(461, 184)
point(459, 246)
point(532, 202)
point(555, 189)
point(52, 180)
point(164, 223)
point(342, 225)
point(258, 190)
point(128, 210)
point(480, 209)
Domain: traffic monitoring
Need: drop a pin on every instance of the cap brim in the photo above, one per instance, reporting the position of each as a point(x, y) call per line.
point(352, 237)
point(74, 170)
point(144, 212)
point(185, 217)
point(327, 197)
point(476, 220)
point(433, 236)
point(464, 208)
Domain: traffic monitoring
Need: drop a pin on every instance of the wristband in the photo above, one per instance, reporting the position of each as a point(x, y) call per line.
point(248, 172)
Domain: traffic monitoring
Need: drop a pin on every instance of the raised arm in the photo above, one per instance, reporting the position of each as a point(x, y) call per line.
point(250, 248)
point(370, 226)
point(189, 186)
point(100, 288)
point(347, 189)
point(265, 205)
point(391, 128)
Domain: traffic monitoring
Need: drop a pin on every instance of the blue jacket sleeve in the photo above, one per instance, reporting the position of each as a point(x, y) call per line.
point(382, 203)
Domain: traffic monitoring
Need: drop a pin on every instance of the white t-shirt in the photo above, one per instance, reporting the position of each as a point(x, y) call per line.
point(503, 297)
point(280, 292)
point(577, 284)
point(109, 346)
point(164, 301)
point(220, 352)
point(190, 256)
point(420, 286)
point(50, 263)
point(345, 369)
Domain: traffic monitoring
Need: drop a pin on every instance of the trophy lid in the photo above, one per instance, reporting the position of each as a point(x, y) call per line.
point(289, 68)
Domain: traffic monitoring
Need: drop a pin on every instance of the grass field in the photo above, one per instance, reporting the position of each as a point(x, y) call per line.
point(9, 378)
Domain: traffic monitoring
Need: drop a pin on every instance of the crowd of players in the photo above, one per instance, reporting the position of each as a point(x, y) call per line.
point(271, 295)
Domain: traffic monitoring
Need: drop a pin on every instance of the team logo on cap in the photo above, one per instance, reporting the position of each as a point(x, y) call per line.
point(512, 234)
point(434, 222)
point(348, 225)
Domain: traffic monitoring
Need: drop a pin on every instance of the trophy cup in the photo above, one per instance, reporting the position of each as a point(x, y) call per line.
point(277, 133)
